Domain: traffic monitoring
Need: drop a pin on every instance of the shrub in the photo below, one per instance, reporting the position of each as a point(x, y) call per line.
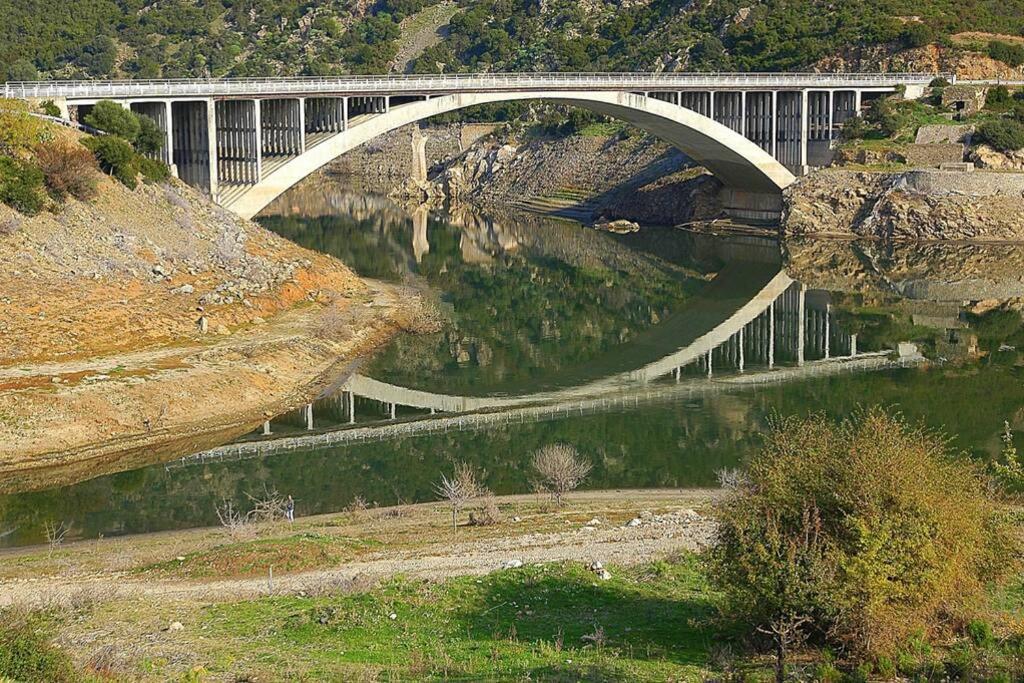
point(1006, 53)
point(116, 157)
point(19, 131)
point(853, 128)
point(938, 82)
point(1006, 135)
point(26, 653)
point(917, 35)
point(859, 533)
point(152, 171)
point(49, 108)
point(883, 115)
point(111, 117)
point(21, 185)
point(68, 168)
point(998, 97)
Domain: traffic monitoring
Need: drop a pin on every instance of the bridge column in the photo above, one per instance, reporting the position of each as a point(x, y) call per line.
point(302, 125)
point(831, 115)
point(856, 103)
point(775, 123)
point(344, 113)
point(266, 428)
point(853, 345)
point(804, 132)
point(257, 106)
point(711, 105)
point(211, 146)
point(309, 416)
point(351, 401)
point(743, 113)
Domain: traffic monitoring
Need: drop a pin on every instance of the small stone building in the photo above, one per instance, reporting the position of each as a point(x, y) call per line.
point(964, 100)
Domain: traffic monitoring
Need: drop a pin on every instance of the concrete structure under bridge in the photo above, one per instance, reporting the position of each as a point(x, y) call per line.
point(247, 141)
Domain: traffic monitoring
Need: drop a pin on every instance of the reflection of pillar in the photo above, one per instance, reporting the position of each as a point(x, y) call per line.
point(676, 373)
point(800, 311)
point(420, 245)
point(710, 351)
point(740, 350)
point(392, 410)
point(266, 428)
point(771, 335)
point(309, 416)
point(828, 309)
point(853, 344)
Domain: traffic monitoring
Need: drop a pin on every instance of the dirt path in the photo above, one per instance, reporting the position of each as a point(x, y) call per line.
point(419, 544)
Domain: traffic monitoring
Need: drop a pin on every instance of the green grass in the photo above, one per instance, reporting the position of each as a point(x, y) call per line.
point(247, 558)
point(528, 622)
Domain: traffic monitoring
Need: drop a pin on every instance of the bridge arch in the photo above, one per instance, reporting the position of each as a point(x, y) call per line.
point(752, 176)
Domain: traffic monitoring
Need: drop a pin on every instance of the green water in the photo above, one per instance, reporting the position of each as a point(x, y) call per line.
point(532, 305)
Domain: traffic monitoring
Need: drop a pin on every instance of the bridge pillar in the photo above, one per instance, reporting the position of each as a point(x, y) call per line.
point(266, 428)
point(257, 107)
point(191, 142)
point(309, 416)
point(211, 142)
point(804, 132)
point(237, 142)
point(351, 399)
point(853, 345)
point(775, 123)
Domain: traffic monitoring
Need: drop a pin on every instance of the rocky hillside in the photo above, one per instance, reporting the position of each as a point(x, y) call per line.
point(148, 323)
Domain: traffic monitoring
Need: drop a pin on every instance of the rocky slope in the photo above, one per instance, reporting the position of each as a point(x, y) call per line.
point(909, 205)
point(145, 324)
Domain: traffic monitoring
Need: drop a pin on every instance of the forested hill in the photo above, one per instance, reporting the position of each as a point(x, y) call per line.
point(177, 38)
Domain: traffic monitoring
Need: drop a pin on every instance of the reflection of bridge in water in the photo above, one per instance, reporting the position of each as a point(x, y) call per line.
point(779, 332)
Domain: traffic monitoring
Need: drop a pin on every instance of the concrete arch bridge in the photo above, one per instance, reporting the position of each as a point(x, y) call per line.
point(247, 141)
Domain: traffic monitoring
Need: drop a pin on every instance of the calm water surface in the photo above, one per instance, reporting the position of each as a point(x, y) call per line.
point(538, 306)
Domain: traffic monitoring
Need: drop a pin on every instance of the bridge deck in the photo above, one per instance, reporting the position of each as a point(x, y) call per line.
point(418, 84)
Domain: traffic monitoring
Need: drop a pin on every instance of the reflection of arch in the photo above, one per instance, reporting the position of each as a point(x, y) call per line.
point(754, 177)
point(723, 324)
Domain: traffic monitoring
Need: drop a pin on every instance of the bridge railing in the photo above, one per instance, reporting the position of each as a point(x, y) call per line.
point(440, 83)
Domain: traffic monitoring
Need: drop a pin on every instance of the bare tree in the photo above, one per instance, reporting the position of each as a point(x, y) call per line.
point(560, 469)
point(55, 534)
point(233, 520)
point(459, 489)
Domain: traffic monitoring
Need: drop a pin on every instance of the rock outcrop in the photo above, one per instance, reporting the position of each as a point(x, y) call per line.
point(910, 205)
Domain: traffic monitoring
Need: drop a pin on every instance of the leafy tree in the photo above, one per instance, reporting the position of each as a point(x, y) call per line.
point(858, 534)
point(22, 70)
point(111, 117)
point(150, 139)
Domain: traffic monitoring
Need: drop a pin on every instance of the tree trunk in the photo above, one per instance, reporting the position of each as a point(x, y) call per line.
point(780, 660)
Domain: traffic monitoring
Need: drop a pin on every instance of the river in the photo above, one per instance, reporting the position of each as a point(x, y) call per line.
point(544, 316)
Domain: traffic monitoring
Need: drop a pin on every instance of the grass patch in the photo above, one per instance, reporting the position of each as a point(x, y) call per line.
point(249, 558)
point(553, 622)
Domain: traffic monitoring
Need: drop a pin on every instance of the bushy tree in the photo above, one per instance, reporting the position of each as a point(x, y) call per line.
point(998, 97)
point(859, 534)
point(111, 117)
point(116, 157)
point(882, 114)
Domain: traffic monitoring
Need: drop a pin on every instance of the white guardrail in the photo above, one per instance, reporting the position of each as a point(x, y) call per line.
point(424, 84)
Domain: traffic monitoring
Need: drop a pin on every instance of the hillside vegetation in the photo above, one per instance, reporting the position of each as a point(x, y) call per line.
point(175, 38)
